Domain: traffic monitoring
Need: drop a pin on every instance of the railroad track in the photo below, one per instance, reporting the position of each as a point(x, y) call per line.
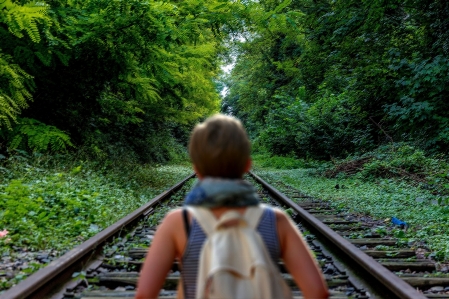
point(107, 265)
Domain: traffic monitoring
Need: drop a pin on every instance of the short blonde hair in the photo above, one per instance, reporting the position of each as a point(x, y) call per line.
point(220, 147)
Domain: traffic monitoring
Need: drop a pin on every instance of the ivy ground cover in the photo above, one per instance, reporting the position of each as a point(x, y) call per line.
point(385, 198)
point(48, 207)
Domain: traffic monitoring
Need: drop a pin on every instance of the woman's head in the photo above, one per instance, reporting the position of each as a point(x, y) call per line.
point(219, 147)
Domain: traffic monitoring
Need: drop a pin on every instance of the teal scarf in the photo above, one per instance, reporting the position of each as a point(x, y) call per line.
point(217, 192)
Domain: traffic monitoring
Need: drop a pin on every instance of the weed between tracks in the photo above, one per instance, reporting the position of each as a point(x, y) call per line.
point(383, 199)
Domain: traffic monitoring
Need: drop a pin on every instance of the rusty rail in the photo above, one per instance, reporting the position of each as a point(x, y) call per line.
point(395, 284)
point(40, 283)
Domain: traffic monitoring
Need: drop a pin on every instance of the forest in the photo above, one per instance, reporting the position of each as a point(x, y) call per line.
point(113, 77)
point(312, 79)
point(330, 78)
point(98, 98)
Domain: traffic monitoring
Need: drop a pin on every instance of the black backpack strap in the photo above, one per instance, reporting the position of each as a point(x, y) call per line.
point(186, 221)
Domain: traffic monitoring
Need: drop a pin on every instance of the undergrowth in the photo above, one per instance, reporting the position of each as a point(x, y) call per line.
point(57, 201)
point(396, 180)
point(265, 160)
point(401, 162)
point(428, 221)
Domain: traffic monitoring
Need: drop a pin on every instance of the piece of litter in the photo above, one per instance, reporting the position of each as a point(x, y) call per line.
point(3, 233)
point(399, 222)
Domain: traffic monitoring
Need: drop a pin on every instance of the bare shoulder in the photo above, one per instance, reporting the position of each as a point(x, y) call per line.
point(174, 213)
point(287, 230)
point(171, 220)
point(281, 217)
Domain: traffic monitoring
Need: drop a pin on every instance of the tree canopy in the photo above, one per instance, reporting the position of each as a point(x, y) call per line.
point(313, 79)
point(120, 73)
point(327, 78)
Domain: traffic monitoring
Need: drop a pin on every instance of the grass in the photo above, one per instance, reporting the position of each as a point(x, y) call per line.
point(56, 203)
point(383, 199)
point(394, 180)
point(265, 160)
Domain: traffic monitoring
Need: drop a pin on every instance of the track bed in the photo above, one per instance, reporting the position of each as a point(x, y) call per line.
point(356, 261)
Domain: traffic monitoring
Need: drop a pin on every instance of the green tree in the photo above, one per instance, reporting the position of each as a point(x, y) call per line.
point(368, 71)
point(116, 75)
point(15, 84)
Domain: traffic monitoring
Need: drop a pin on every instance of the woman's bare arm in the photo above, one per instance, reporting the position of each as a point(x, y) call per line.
point(160, 258)
point(299, 260)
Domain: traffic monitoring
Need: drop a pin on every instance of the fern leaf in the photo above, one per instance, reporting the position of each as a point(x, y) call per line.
point(25, 17)
point(15, 142)
point(37, 136)
point(44, 57)
point(13, 95)
point(63, 58)
point(32, 30)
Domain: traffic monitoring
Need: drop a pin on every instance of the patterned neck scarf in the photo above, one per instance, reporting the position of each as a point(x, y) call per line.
point(217, 192)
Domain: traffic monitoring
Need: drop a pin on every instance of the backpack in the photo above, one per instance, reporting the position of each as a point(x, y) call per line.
point(234, 262)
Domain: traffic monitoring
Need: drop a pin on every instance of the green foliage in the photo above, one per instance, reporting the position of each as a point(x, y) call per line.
point(381, 230)
point(276, 136)
point(36, 136)
point(56, 202)
point(366, 73)
point(277, 162)
point(382, 199)
point(14, 92)
point(25, 17)
point(400, 234)
point(53, 203)
point(418, 110)
point(113, 74)
point(332, 128)
point(399, 161)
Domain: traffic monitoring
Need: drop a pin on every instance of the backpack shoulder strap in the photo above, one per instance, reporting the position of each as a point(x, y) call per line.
point(204, 217)
point(253, 214)
point(186, 222)
point(208, 222)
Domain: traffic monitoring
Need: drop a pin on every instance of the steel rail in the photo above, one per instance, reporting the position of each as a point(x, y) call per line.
point(46, 277)
point(395, 284)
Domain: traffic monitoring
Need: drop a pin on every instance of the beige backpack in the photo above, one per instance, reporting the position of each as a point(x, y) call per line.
point(234, 262)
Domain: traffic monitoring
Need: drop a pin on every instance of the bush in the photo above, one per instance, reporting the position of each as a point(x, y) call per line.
point(33, 135)
point(400, 161)
point(57, 201)
point(277, 162)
